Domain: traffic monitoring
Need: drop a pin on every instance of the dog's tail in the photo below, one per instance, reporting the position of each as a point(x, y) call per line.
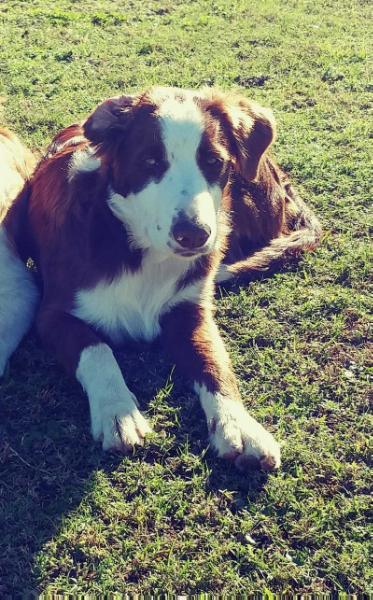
point(302, 232)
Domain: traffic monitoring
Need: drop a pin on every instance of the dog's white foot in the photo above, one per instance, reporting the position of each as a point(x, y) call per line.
point(236, 436)
point(115, 418)
point(120, 426)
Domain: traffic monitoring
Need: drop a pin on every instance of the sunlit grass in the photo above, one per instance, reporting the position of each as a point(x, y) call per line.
point(172, 517)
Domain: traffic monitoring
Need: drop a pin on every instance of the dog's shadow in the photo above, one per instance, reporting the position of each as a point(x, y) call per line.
point(48, 461)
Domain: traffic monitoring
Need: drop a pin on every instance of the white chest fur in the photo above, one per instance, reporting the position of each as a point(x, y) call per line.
point(132, 304)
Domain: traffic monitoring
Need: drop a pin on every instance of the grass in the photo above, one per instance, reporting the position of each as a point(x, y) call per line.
point(173, 518)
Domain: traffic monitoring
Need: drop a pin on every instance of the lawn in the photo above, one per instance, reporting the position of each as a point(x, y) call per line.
point(173, 518)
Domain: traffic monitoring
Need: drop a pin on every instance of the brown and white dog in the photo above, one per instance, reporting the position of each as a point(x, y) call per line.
point(127, 220)
point(18, 293)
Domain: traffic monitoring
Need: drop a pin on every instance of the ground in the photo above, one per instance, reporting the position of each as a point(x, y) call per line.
point(173, 518)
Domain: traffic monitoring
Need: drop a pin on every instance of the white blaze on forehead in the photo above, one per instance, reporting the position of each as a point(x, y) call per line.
point(182, 124)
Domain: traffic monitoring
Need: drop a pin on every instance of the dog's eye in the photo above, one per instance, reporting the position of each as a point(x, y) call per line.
point(152, 162)
point(213, 160)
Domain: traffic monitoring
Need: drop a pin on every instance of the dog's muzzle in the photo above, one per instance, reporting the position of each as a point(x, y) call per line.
point(189, 235)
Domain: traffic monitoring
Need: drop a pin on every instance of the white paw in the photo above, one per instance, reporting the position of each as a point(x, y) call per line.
point(238, 437)
point(115, 417)
point(223, 274)
point(120, 425)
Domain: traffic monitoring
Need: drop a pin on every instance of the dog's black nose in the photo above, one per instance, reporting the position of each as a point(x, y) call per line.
point(190, 235)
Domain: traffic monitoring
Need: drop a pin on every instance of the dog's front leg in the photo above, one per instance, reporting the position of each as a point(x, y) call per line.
point(115, 418)
point(194, 342)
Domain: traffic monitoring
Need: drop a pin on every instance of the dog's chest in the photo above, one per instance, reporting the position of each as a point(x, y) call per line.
point(131, 305)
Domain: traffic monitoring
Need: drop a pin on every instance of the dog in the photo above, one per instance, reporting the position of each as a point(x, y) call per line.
point(18, 292)
point(128, 219)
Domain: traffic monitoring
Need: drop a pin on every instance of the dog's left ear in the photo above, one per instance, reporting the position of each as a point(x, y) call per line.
point(251, 129)
point(112, 114)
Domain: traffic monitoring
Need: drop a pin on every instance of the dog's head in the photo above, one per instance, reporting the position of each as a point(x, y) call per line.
point(169, 153)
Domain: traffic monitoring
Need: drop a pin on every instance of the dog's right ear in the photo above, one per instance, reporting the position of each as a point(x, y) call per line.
point(250, 127)
point(112, 114)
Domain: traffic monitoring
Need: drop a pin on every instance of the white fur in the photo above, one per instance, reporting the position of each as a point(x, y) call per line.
point(11, 180)
point(223, 274)
point(115, 418)
point(149, 214)
point(234, 432)
point(18, 299)
point(132, 304)
point(83, 161)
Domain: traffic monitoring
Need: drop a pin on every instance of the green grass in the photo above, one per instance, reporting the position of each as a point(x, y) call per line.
point(172, 517)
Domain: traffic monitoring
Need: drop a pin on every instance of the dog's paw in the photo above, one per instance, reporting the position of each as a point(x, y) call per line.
point(238, 437)
point(223, 274)
point(120, 426)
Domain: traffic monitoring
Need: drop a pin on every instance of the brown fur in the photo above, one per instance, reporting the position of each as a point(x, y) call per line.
point(271, 224)
point(191, 336)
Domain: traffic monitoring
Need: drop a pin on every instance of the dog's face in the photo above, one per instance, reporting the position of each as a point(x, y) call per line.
point(169, 153)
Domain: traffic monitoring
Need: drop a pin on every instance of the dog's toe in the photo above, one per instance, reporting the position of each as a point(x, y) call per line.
point(238, 437)
point(120, 425)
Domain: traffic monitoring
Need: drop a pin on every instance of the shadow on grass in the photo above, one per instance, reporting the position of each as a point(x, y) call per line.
point(223, 474)
point(48, 460)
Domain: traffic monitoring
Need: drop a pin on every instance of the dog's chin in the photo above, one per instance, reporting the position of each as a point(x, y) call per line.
point(189, 254)
point(185, 254)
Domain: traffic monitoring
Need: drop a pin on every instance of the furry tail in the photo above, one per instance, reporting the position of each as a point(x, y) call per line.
point(303, 233)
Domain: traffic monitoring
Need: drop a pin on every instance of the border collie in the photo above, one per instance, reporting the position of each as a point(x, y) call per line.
point(127, 219)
